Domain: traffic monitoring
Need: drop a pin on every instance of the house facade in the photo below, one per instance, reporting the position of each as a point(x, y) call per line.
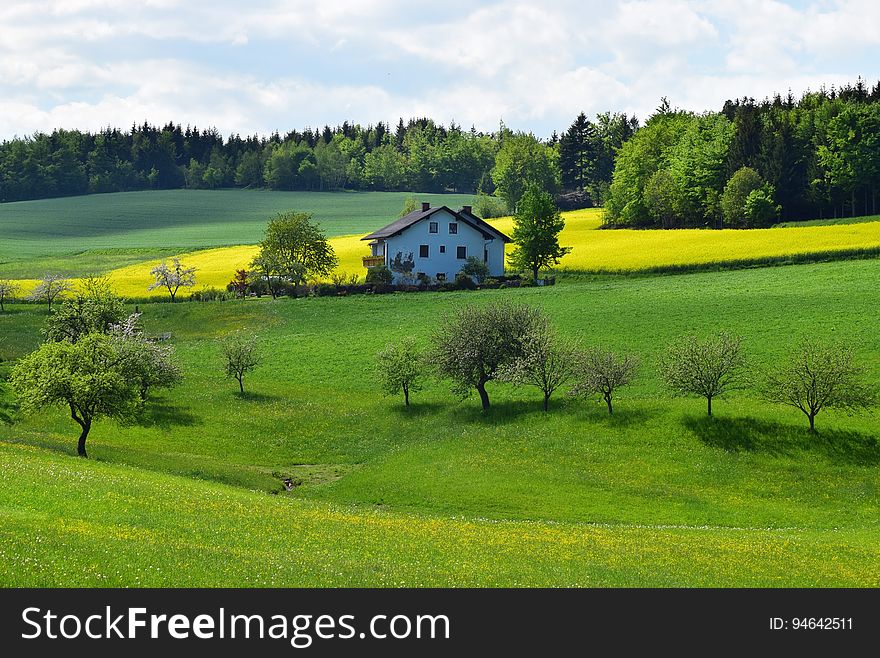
point(435, 242)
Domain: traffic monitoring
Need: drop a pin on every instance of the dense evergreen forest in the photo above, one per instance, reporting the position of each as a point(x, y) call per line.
point(751, 164)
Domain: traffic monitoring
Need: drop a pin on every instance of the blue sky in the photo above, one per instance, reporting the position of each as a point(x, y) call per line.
point(269, 65)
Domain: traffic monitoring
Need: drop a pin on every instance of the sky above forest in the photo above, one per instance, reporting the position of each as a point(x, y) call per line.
point(268, 65)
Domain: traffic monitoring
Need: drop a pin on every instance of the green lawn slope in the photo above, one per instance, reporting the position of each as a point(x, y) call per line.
point(99, 232)
point(752, 478)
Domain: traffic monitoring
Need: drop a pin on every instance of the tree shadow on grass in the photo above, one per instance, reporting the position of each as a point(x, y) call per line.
point(162, 414)
point(418, 409)
point(507, 412)
point(623, 417)
point(251, 396)
point(761, 436)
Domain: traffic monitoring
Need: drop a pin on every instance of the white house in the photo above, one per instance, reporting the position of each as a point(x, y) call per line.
point(436, 242)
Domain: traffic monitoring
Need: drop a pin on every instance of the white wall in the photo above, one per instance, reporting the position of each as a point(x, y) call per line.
point(496, 257)
point(446, 263)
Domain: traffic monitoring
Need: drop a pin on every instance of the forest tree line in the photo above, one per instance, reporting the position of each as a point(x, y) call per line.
point(419, 155)
point(751, 164)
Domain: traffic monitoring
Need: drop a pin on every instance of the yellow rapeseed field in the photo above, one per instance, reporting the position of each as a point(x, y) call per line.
point(593, 250)
point(626, 250)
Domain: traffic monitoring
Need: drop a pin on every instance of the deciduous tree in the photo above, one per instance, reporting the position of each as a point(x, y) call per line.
point(93, 308)
point(87, 377)
point(536, 227)
point(296, 248)
point(546, 363)
point(146, 363)
point(8, 291)
point(705, 367)
point(473, 344)
point(50, 288)
point(733, 201)
point(240, 282)
point(172, 277)
point(820, 376)
point(240, 355)
point(602, 371)
point(401, 368)
point(523, 161)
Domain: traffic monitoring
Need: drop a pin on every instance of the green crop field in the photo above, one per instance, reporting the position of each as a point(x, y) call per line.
point(96, 233)
point(441, 494)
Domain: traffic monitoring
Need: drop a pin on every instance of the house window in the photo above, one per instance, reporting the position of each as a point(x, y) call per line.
point(441, 276)
point(485, 255)
point(423, 251)
point(433, 227)
point(442, 248)
point(461, 253)
point(453, 228)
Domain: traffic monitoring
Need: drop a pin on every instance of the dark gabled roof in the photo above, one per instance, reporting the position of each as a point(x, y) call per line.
point(400, 225)
point(404, 222)
point(481, 224)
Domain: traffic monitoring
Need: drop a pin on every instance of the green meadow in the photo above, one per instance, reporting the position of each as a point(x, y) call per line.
point(73, 236)
point(440, 493)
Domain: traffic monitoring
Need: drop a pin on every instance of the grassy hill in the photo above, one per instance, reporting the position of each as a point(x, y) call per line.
point(96, 233)
point(442, 494)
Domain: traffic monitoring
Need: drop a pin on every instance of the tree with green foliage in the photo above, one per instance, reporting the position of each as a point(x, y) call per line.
point(820, 376)
point(384, 168)
point(87, 377)
point(476, 268)
point(93, 308)
point(602, 372)
point(733, 200)
point(8, 290)
point(546, 362)
point(172, 277)
point(577, 154)
point(760, 208)
point(265, 268)
point(240, 356)
point(296, 248)
point(476, 342)
point(249, 172)
point(536, 227)
point(662, 197)
point(698, 164)
point(331, 164)
point(613, 130)
point(487, 206)
point(401, 368)
point(851, 154)
point(705, 367)
point(50, 288)
point(637, 161)
point(410, 204)
point(523, 161)
point(145, 363)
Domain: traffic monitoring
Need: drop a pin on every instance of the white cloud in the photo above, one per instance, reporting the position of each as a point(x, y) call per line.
point(658, 23)
point(283, 64)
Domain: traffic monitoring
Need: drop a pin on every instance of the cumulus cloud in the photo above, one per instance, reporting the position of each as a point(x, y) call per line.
point(286, 64)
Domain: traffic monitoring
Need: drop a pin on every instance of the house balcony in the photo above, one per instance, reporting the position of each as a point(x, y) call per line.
point(374, 261)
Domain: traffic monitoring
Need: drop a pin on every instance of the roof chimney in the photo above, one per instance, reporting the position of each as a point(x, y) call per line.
point(425, 206)
point(466, 209)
